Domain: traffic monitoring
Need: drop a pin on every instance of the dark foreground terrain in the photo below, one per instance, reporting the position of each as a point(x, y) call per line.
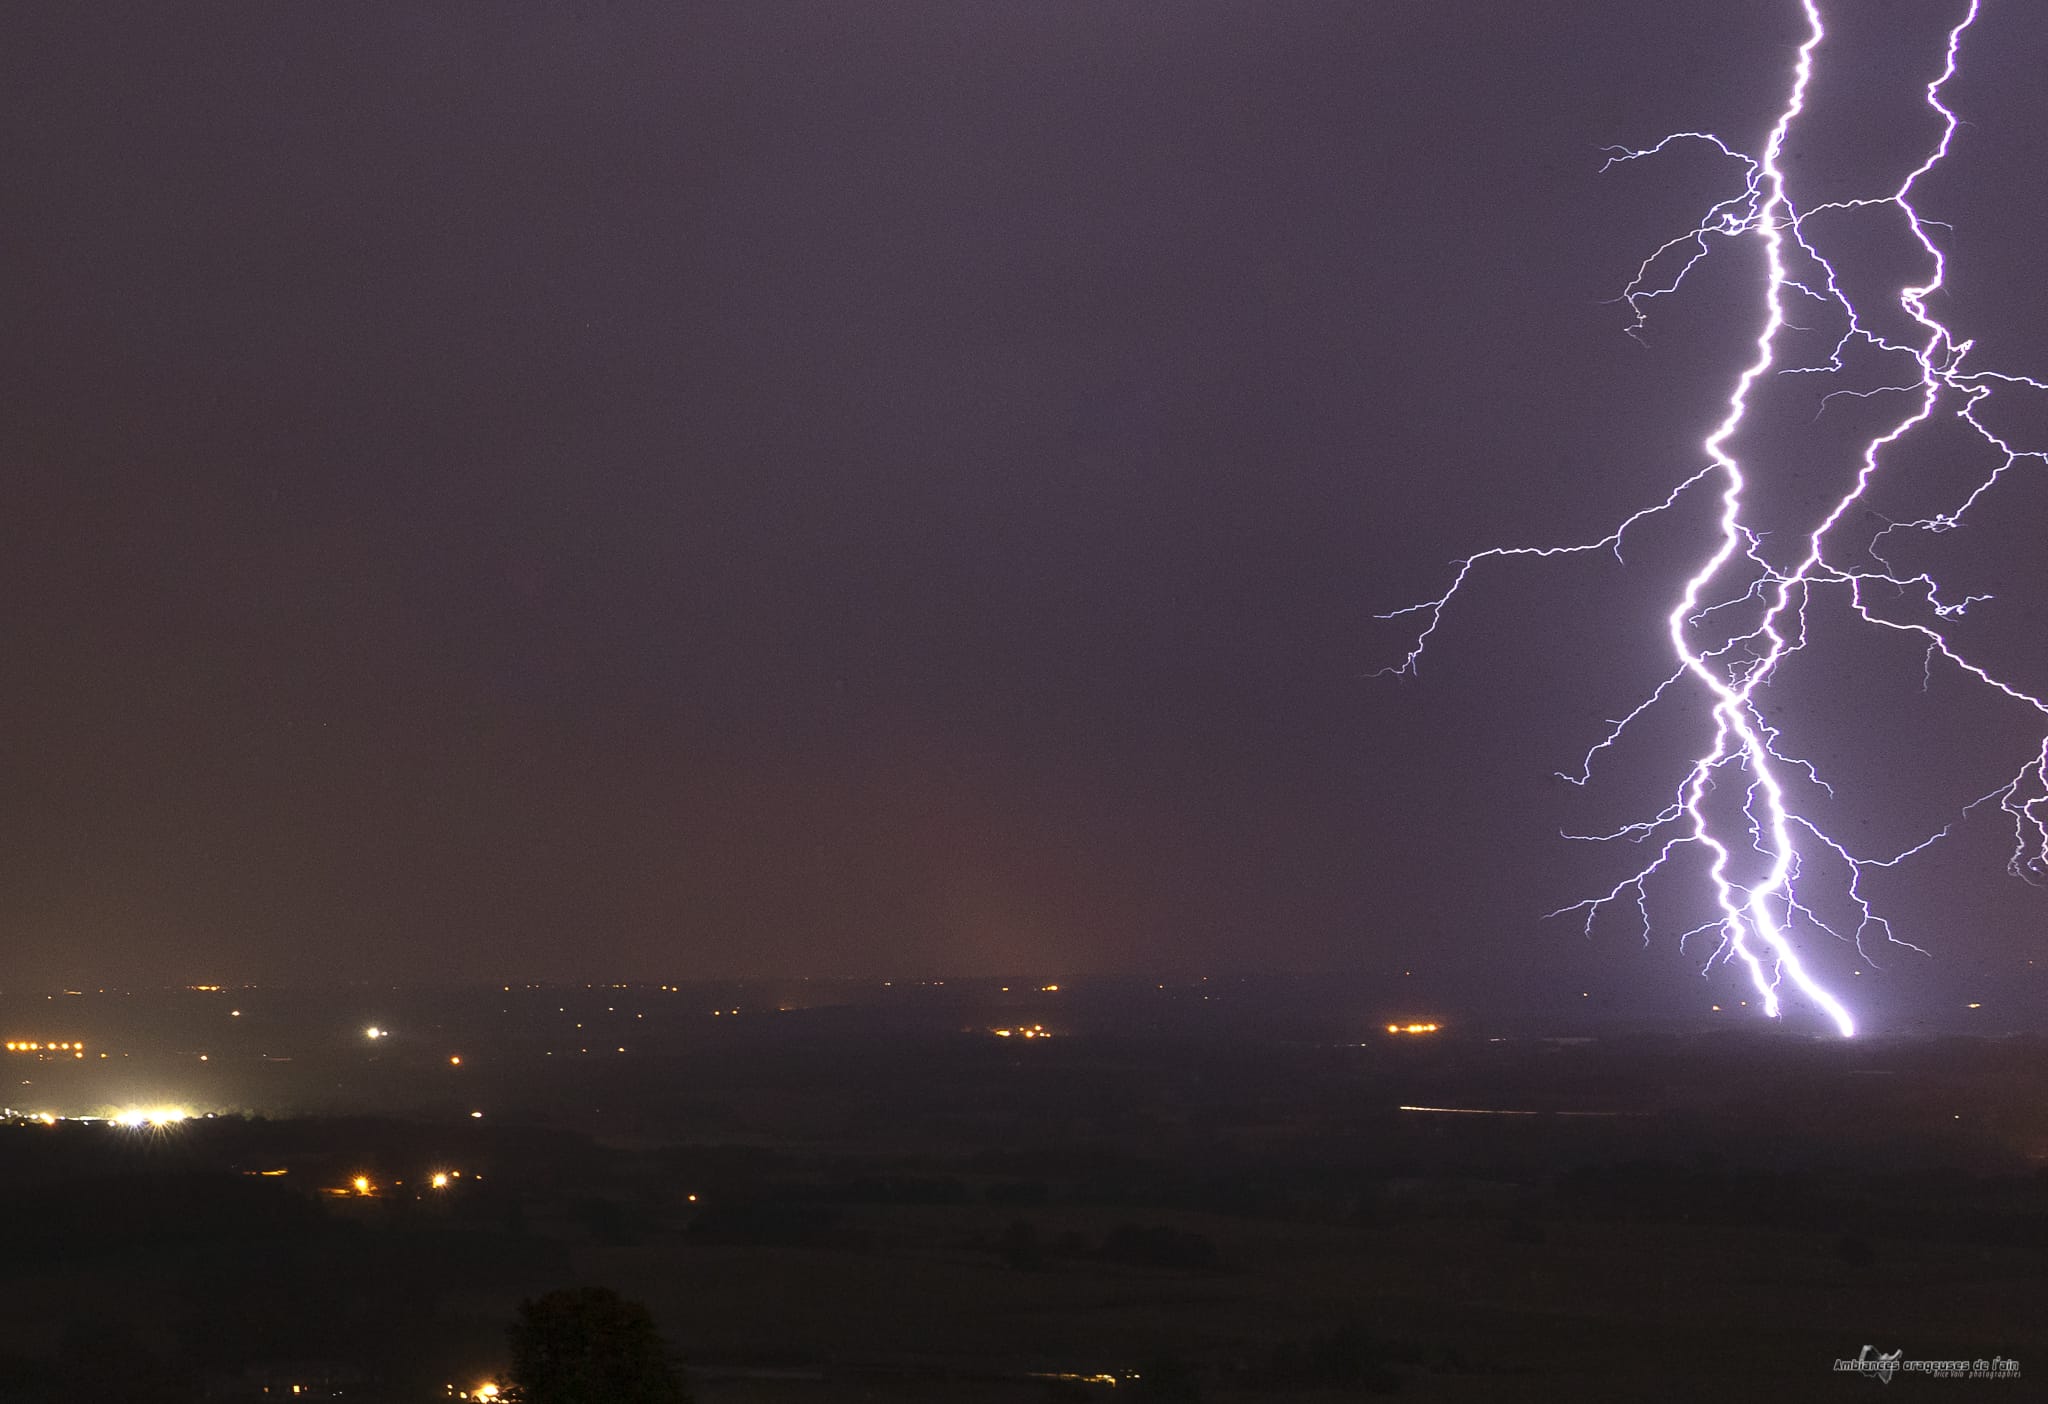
point(848, 1202)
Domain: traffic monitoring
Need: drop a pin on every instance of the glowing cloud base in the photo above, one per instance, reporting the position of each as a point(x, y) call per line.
point(1740, 619)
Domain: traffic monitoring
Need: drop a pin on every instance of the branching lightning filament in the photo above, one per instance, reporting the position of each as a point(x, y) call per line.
point(1757, 849)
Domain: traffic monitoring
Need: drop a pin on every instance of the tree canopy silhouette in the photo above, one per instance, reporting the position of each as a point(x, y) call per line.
point(589, 1345)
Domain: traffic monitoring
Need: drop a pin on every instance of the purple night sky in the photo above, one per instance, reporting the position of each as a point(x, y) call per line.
point(655, 491)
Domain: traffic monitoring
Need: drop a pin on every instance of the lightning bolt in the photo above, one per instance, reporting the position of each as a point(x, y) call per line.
point(1742, 615)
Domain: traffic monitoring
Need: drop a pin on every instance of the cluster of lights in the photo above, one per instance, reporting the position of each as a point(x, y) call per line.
point(486, 1391)
point(364, 1187)
point(130, 1119)
point(1022, 1031)
point(17, 1045)
point(1413, 1028)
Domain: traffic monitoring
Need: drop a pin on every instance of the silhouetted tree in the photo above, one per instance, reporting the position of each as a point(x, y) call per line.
point(589, 1345)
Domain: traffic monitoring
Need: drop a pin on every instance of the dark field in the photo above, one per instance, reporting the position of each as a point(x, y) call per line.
point(1199, 1193)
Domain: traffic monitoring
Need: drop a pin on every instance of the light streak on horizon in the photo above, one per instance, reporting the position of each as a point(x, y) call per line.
point(1509, 1111)
point(1756, 913)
